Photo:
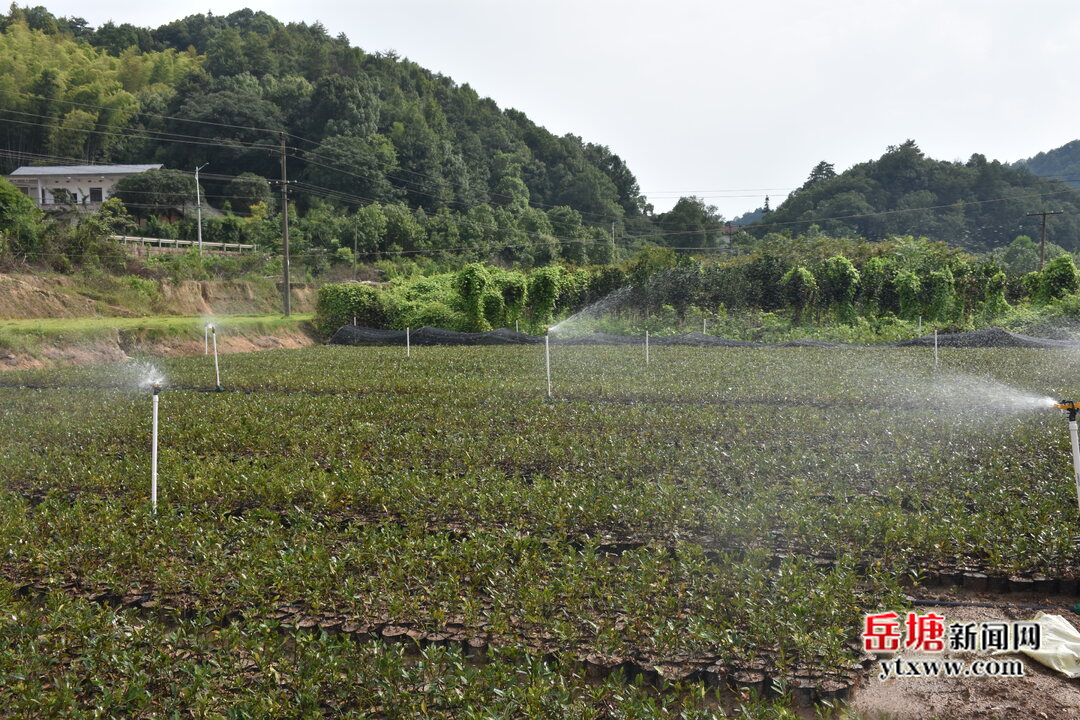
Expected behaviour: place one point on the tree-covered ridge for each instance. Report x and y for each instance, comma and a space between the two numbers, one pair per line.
1061, 163
372, 127
978, 205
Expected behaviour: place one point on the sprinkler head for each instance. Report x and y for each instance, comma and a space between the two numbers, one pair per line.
1072, 407
156, 386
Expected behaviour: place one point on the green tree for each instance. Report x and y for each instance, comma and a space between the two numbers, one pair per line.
1021, 256
471, 284
800, 290
21, 223
355, 166
995, 304
544, 286
247, 190
692, 223
343, 106
1058, 279
839, 281
514, 288
876, 284
156, 192
939, 290
909, 292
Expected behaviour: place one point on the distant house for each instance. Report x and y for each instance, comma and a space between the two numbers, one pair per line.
64, 185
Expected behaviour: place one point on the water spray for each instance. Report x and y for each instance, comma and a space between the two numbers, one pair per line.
547, 359
217, 369
1071, 408
156, 387
206, 339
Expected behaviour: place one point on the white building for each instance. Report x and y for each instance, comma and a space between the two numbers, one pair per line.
52, 186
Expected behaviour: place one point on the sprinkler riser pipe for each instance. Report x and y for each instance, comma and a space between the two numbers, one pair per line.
646, 347
547, 363
935, 349
1074, 438
408, 343
153, 456
217, 369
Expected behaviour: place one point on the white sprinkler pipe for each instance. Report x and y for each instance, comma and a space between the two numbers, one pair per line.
153, 452
547, 361
646, 347
217, 370
1073, 436
408, 343
935, 349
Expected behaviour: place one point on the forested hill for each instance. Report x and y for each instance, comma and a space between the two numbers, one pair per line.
363, 127
977, 205
1061, 163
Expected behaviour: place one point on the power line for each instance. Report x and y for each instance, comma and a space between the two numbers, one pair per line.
275, 132
646, 236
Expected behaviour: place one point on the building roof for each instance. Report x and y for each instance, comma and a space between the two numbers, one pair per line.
55, 170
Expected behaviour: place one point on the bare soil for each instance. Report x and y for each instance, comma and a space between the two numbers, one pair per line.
1041, 694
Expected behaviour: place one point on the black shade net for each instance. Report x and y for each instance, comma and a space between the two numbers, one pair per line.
989, 338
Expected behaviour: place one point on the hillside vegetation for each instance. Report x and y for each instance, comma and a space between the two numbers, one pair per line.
978, 205
433, 165
1061, 163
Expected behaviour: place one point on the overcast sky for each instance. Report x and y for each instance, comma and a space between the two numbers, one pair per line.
729, 100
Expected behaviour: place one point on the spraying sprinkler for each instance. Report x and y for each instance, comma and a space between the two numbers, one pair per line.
156, 387
217, 369
547, 359
1071, 408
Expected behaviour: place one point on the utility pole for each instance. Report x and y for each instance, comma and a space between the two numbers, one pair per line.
286, 292
1042, 243
198, 205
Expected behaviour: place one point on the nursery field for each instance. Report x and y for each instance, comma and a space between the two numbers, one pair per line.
350, 532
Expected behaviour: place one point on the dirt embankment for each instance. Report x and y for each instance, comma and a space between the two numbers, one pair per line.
46, 297
116, 349
29, 296
25, 297
234, 297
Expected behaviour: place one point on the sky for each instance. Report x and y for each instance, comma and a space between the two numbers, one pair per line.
728, 101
